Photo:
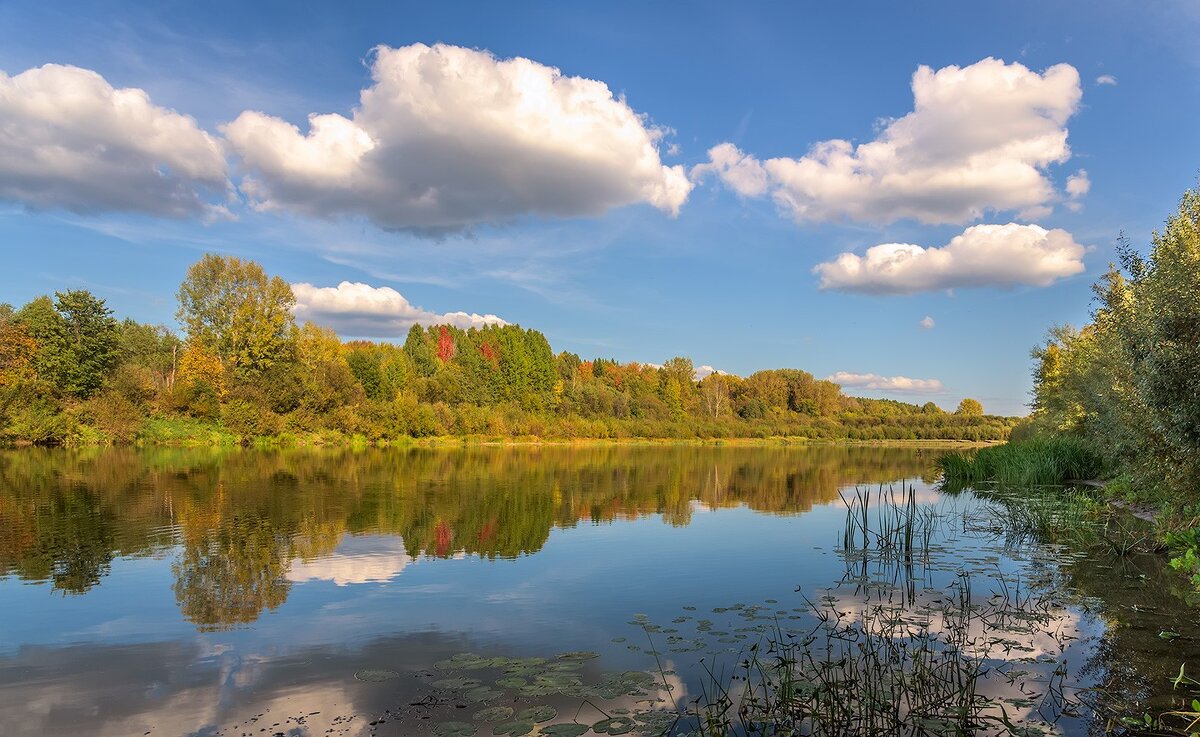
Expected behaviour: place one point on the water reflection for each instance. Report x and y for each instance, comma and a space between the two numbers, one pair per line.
227, 592
248, 524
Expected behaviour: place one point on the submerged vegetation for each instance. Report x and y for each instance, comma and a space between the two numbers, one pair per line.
71, 374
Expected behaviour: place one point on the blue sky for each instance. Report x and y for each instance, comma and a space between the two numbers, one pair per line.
592, 222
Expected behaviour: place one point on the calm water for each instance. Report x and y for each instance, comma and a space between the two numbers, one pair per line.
173, 592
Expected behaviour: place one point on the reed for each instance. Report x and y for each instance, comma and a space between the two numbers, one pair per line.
1038, 462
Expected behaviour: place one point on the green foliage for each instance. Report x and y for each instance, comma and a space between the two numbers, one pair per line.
233, 308
88, 350
1127, 382
76, 341
1185, 558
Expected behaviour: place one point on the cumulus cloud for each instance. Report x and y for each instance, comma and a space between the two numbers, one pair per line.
357, 559
979, 139
704, 371
849, 380
981, 256
361, 310
927, 323
69, 139
1078, 185
446, 137
1106, 79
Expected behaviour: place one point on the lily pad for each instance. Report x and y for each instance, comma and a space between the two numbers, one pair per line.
376, 676
456, 684
466, 661
493, 714
579, 655
537, 714
615, 725
513, 729
566, 729
482, 693
511, 682
454, 729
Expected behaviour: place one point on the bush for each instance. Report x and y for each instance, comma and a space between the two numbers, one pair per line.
244, 418
115, 415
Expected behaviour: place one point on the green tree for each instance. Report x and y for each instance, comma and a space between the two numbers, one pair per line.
88, 349
231, 307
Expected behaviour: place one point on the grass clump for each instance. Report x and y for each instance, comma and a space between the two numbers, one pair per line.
1037, 462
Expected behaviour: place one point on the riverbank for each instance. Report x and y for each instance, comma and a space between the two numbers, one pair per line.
1067, 461
193, 433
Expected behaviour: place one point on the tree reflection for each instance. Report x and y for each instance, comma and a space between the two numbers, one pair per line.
228, 573
236, 519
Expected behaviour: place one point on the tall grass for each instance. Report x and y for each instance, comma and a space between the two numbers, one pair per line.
1037, 462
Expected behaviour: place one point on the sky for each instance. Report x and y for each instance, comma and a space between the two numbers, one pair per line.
901, 197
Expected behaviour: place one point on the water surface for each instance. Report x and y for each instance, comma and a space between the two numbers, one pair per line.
239, 592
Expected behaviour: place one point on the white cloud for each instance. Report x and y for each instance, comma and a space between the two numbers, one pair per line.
1078, 184
447, 137
361, 310
69, 140
1106, 79
706, 370
927, 323
885, 383
357, 559
979, 139
982, 256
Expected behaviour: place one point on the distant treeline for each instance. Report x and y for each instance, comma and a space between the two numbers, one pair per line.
70, 373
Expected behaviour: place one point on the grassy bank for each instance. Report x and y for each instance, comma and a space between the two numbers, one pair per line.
1039, 462
188, 432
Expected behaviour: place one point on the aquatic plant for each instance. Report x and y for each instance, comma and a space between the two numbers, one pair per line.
884, 653
1037, 462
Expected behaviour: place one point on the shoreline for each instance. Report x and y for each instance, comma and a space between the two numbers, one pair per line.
484, 441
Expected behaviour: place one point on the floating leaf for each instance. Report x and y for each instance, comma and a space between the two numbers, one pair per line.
615, 725
567, 729
454, 729
466, 661
537, 714
456, 684
513, 729
493, 714
375, 676
580, 655
511, 682
482, 693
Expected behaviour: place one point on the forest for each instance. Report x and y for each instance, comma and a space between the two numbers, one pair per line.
243, 371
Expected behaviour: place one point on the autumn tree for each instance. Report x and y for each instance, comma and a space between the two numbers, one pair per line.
17, 350
969, 408
233, 309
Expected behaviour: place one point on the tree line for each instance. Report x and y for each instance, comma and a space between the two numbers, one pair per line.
71, 373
